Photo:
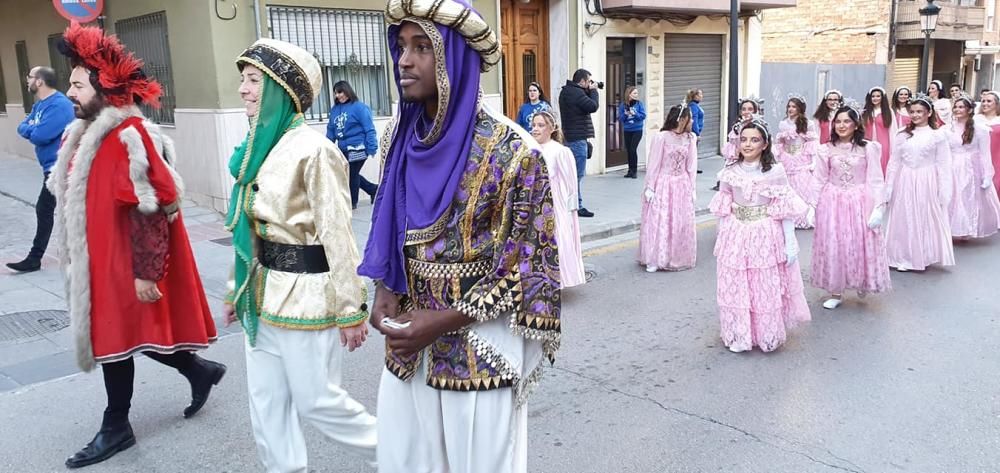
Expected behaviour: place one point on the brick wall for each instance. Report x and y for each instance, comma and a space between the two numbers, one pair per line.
827, 32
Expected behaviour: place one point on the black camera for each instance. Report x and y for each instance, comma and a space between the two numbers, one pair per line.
600, 85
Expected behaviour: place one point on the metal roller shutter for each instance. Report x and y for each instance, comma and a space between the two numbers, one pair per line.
694, 61
905, 71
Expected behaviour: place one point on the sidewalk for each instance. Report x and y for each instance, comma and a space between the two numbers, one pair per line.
35, 344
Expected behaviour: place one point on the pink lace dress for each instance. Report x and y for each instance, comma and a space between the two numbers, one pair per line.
667, 234
759, 294
731, 150
918, 183
797, 151
846, 254
974, 212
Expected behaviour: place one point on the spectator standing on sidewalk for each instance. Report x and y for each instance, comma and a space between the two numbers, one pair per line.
694, 97
535, 101
632, 115
577, 101
43, 127
352, 128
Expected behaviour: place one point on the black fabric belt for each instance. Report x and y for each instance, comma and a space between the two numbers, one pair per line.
293, 258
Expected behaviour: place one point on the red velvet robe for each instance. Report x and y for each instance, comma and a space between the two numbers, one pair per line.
106, 171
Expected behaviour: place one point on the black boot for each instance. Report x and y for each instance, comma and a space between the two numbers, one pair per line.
202, 375
26, 265
114, 437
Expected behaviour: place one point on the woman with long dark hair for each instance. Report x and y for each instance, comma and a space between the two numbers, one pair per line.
667, 234
759, 289
848, 249
352, 128
534, 102
900, 101
797, 145
748, 107
940, 102
918, 188
632, 116
832, 100
975, 209
878, 122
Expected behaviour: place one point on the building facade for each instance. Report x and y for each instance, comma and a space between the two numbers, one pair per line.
855, 45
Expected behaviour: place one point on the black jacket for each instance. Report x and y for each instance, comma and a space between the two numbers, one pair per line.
575, 107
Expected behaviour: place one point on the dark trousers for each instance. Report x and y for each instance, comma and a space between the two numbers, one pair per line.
358, 181
120, 376
632, 139
45, 208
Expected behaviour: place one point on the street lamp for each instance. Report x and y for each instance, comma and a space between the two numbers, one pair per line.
928, 22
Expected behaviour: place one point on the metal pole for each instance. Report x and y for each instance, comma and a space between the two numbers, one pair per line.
256, 18
734, 61
924, 73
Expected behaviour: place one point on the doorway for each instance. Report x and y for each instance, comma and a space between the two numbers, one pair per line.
620, 74
524, 36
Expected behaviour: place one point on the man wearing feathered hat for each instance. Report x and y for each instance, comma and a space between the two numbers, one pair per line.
294, 288
463, 253
132, 283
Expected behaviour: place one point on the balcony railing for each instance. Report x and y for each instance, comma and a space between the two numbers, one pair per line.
686, 7
959, 20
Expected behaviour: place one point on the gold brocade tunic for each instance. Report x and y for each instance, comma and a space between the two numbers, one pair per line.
302, 199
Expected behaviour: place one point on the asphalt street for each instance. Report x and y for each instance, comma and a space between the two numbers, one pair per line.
905, 381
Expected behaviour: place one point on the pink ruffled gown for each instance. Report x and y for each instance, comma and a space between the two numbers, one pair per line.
731, 150
797, 151
667, 234
974, 212
918, 182
759, 295
562, 177
994, 125
875, 130
846, 253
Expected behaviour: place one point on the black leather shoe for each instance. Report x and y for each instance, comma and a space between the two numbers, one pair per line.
205, 375
584, 213
26, 265
107, 442
372, 195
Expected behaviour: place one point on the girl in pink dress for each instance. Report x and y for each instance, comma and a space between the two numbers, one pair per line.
797, 145
848, 250
918, 187
667, 235
562, 175
989, 111
975, 209
759, 289
748, 108
900, 114
832, 100
878, 122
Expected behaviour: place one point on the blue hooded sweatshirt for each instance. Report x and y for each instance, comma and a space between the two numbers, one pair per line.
636, 121
351, 126
528, 110
44, 127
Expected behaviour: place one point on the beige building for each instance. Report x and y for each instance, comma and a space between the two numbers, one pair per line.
662, 46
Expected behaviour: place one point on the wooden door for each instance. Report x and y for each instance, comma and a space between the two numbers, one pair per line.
620, 74
524, 39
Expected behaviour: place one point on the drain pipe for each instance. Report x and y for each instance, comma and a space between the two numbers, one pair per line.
256, 17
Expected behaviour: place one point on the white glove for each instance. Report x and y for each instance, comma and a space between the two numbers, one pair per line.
648, 195
694, 196
875, 219
791, 244
986, 184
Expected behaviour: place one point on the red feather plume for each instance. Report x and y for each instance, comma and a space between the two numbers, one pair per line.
118, 70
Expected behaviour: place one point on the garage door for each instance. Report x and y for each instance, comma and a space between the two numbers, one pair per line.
694, 61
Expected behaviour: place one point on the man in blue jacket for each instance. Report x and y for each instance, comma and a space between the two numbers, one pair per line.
43, 127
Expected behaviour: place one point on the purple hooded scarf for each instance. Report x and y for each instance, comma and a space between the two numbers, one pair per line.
427, 157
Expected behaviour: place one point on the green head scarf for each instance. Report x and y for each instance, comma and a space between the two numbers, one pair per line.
276, 114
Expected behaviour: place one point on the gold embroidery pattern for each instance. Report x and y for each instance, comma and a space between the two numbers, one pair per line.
749, 213
441, 75
424, 235
499, 132
448, 271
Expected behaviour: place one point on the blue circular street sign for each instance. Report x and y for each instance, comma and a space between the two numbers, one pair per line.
82, 11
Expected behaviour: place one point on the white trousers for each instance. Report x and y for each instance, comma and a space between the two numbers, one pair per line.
425, 430
293, 374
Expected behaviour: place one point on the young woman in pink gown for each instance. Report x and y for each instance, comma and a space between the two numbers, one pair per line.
759, 288
941, 103
989, 111
832, 100
748, 108
667, 234
975, 209
848, 248
562, 176
797, 143
879, 124
918, 187
900, 114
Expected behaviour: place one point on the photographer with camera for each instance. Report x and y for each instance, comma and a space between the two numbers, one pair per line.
577, 100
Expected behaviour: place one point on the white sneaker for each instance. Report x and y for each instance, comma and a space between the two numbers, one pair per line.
651, 268
902, 269
736, 349
832, 303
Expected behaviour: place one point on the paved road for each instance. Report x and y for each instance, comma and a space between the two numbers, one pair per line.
902, 382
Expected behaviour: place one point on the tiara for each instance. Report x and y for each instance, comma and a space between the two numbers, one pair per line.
967, 98
922, 97
854, 105
798, 96
834, 91
754, 99
901, 88
756, 120
878, 88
